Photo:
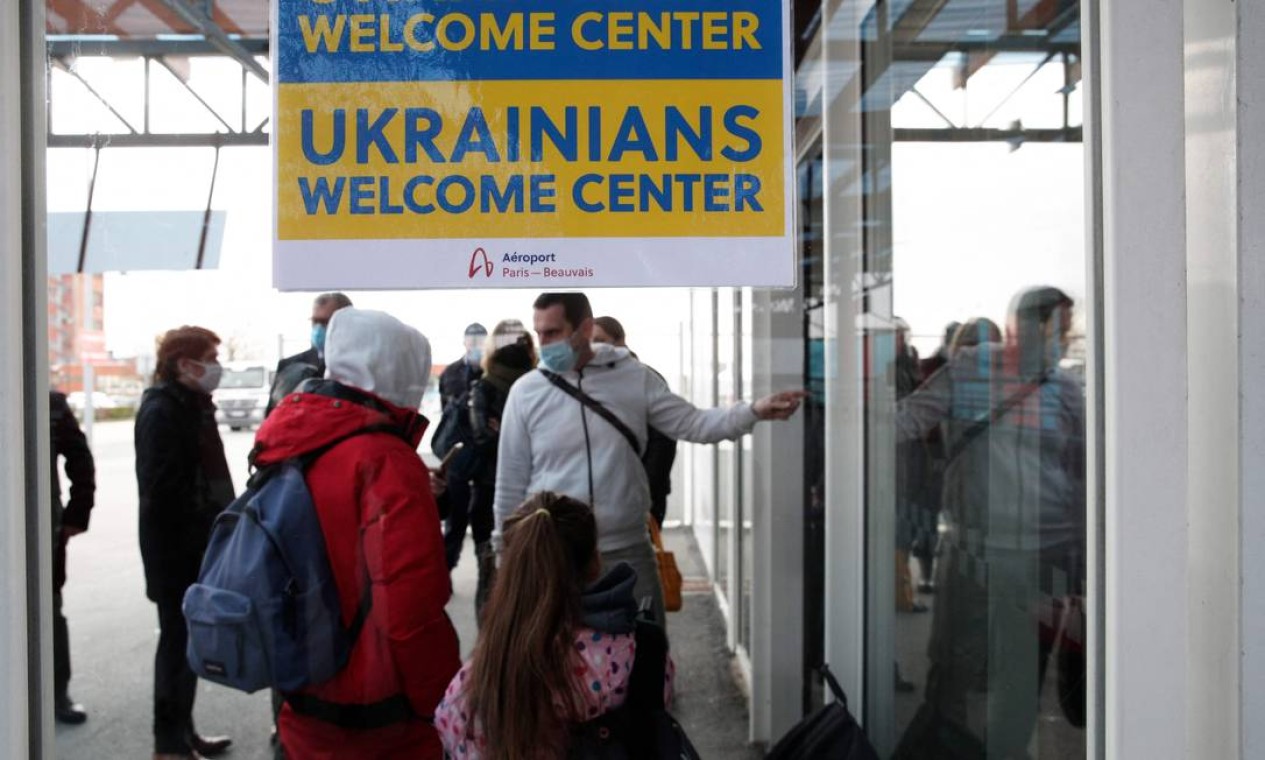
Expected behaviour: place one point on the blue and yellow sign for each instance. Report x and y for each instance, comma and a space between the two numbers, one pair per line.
449, 143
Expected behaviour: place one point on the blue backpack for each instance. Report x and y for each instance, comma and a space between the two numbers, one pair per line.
265, 611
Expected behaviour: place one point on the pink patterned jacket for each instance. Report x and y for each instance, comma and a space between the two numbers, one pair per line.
604, 662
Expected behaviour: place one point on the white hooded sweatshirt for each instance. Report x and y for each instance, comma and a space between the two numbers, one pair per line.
375, 352
543, 443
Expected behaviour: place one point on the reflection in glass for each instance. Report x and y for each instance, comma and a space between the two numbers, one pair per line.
969, 298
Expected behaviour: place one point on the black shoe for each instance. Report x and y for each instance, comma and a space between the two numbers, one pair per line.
69, 712
210, 746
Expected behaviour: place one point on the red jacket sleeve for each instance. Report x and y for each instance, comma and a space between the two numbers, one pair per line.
404, 551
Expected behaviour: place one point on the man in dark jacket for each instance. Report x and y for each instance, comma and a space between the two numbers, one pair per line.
293, 370
457, 377
68, 442
454, 382
184, 482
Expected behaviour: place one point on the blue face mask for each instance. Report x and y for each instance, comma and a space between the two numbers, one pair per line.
318, 338
558, 356
474, 356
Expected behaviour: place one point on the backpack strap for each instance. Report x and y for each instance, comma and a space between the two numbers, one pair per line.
596, 406
645, 683
386, 712
307, 460
833, 683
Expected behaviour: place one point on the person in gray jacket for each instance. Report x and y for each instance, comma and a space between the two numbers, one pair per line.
551, 441
1013, 424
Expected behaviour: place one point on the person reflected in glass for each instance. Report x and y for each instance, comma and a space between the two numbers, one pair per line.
1013, 424
925, 547
911, 471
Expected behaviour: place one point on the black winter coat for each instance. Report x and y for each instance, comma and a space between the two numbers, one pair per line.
68, 441
487, 403
291, 372
455, 380
183, 480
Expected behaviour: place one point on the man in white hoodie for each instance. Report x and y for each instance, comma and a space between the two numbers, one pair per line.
551, 441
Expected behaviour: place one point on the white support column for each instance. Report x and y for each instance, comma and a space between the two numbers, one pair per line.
845, 479
777, 591
1212, 257
14, 728
1250, 64
1139, 68
26, 726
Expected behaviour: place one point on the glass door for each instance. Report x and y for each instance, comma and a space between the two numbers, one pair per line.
970, 303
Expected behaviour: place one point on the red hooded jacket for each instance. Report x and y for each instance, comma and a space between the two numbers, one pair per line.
372, 494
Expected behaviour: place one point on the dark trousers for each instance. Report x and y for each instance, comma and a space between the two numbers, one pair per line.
458, 520
61, 632
992, 634
175, 684
482, 522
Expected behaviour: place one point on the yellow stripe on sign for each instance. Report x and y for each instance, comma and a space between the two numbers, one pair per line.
680, 158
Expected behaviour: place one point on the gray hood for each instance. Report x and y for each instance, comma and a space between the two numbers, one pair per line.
605, 355
608, 604
375, 352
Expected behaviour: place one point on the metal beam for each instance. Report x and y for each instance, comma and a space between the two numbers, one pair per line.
202, 101
932, 52
218, 37
152, 140
981, 134
60, 46
93, 92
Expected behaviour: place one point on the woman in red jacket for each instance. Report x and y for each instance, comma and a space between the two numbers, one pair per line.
381, 527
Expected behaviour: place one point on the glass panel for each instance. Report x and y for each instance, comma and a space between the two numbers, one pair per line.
746, 500
703, 458
972, 304
726, 451
812, 272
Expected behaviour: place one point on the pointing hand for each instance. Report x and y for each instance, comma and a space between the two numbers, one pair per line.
778, 406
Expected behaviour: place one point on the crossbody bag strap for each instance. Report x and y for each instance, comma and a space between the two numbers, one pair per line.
596, 406
1001, 410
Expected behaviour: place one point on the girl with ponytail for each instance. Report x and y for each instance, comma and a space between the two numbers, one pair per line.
556, 645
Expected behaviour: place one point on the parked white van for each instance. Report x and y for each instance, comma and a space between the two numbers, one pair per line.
242, 396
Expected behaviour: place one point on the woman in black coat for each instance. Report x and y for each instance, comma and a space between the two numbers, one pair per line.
183, 481
509, 356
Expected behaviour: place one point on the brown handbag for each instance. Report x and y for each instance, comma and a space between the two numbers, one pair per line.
669, 573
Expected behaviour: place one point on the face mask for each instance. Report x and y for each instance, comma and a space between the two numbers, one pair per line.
318, 338
558, 356
474, 355
211, 373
